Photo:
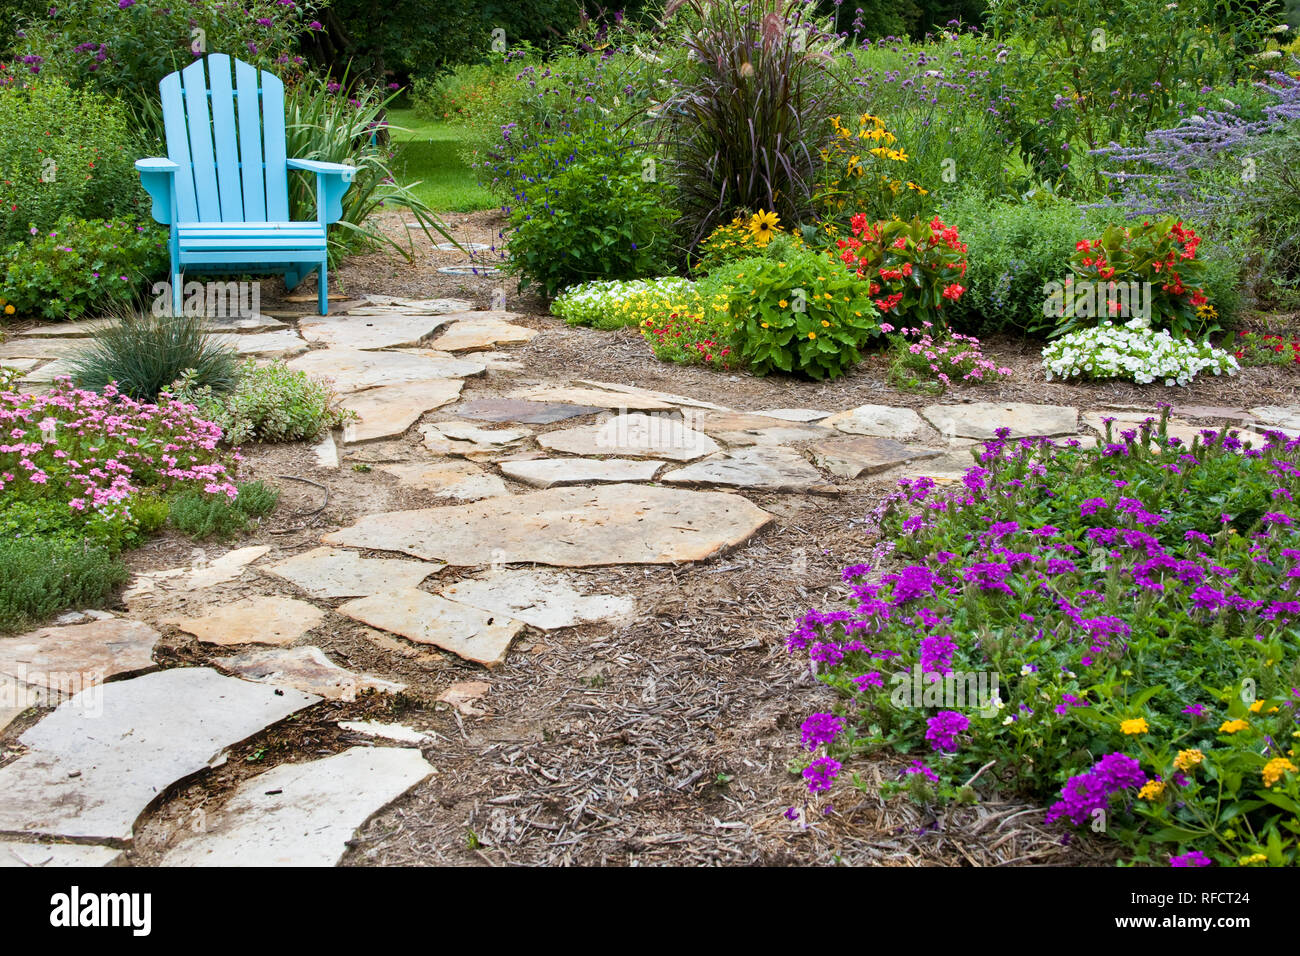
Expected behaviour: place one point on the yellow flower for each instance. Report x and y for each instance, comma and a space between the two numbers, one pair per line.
766, 326
1187, 759
783, 303
825, 324
1232, 726
812, 335
1275, 768
9, 310
762, 226
1152, 789
1258, 705
1137, 725
1252, 859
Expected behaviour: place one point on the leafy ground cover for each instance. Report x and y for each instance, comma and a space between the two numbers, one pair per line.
1112, 630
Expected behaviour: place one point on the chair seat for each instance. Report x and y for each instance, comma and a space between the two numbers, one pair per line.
249, 236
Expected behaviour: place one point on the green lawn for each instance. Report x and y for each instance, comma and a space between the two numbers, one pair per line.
429, 153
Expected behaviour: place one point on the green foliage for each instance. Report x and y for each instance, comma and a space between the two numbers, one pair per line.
40, 576
1076, 83
127, 50
804, 315
204, 516
144, 354
1149, 627
1015, 249
1160, 253
463, 92
65, 152
82, 267
269, 403
588, 212
913, 269
744, 132
335, 122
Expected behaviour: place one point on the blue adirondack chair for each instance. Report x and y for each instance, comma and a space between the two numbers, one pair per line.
224, 188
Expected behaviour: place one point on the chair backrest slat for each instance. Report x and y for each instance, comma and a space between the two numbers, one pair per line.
229, 140
178, 145
203, 162
225, 138
277, 172
250, 142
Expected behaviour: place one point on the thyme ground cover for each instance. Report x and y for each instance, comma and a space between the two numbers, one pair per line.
1113, 631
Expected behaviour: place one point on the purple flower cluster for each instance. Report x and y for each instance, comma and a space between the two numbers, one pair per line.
1089, 792
942, 729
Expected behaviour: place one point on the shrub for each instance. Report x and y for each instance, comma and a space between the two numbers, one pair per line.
1015, 250
614, 304
83, 266
66, 152
912, 268
745, 130
92, 467
804, 316
143, 354
204, 516
1155, 261
587, 211
1133, 351
1256, 349
931, 362
39, 577
269, 403
694, 328
127, 47
743, 238
861, 171
1133, 607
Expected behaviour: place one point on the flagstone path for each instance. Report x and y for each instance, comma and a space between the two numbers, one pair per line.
529, 483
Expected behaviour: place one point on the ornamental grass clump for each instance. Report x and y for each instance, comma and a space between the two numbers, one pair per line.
1113, 631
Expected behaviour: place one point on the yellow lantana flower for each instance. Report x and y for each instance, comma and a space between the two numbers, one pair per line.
1275, 768
1188, 759
1152, 789
1232, 726
1138, 725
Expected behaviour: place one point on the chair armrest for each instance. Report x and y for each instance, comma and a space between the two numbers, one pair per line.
158, 177
332, 181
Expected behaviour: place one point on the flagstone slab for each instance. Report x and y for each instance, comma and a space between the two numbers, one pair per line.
741, 429
553, 472
803, 415
1286, 417
353, 370
100, 758
44, 349
77, 329
390, 410
483, 331
982, 419
519, 411
337, 573
591, 397
227, 567
284, 343
471, 441
326, 452
566, 527
20, 364
634, 433
301, 814
461, 480
49, 372
54, 855
71, 658
305, 669
881, 421
268, 619
860, 455
9, 712
652, 394
412, 306
1214, 411
760, 468
398, 733
354, 330
479, 636
542, 599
